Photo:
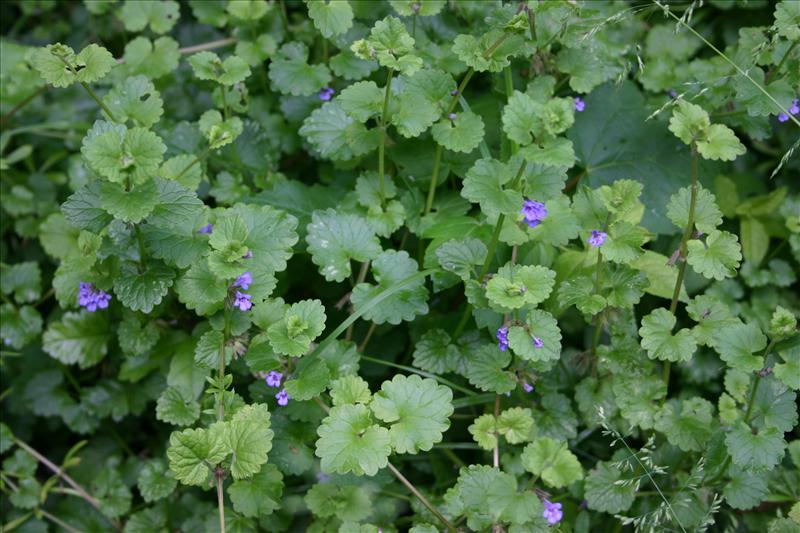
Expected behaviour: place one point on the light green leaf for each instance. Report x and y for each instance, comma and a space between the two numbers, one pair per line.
552, 460
483, 184
434, 352
80, 338
660, 343
349, 390
336, 135
350, 442
624, 242
737, 344
485, 369
160, 15
514, 286
463, 134
362, 100
248, 9
603, 492
141, 291
515, 424
250, 439
762, 449
177, 407
688, 425
461, 256
335, 238
418, 410
483, 54
303, 322
290, 72
200, 290
153, 59
208, 66
484, 430
259, 496
310, 382
391, 45
388, 269
120, 154
538, 325
720, 143
135, 99
332, 17
128, 205
193, 453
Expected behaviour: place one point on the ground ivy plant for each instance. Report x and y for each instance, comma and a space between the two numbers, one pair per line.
406, 265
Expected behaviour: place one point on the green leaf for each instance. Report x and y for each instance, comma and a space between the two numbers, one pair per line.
720, 143
434, 352
461, 256
711, 315
336, 135
362, 100
751, 449
200, 290
745, 489
538, 325
20, 326
83, 210
774, 406
515, 424
219, 132
27, 495
425, 8
332, 17
689, 122
208, 66
80, 338
6, 438
485, 369
171, 230
552, 460
248, 9
346, 502
59, 66
579, 291
135, 99
636, 396
788, 372
624, 242
24, 280
688, 425
155, 481
389, 268
787, 20
737, 344
717, 258
259, 496
350, 442
418, 410
349, 390
483, 184
484, 431
177, 407
141, 291
463, 134
660, 343
514, 286
755, 240
559, 227
120, 154
303, 322
484, 54
250, 439
335, 238
290, 72
128, 205
152, 59
310, 382
604, 494
526, 120
193, 453
161, 16
391, 45
556, 418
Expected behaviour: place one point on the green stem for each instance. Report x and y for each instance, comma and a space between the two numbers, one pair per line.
219, 473
196, 160
422, 373
99, 102
381, 146
460, 90
324, 50
509, 82
225, 111
422, 499
142, 255
783, 60
220, 502
462, 323
437, 160
368, 336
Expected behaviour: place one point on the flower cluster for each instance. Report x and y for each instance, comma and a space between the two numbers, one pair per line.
597, 238
502, 338
274, 379
326, 93
533, 212
794, 109
91, 298
552, 512
242, 299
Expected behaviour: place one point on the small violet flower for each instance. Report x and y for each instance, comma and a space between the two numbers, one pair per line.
244, 281
91, 298
552, 512
537, 342
672, 93
502, 338
534, 212
242, 301
206, 229
326, 93
527, 387
248, 255
452, 116
454, 92
580, 105
273, 379
597, 238
794, 109
283, 399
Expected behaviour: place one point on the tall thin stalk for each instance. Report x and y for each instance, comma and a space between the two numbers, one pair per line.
387, 91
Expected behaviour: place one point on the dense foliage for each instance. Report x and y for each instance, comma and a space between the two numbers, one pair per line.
413, 265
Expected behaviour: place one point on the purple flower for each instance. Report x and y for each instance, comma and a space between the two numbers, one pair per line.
244, 281
580, 105
206, 229
527, 387
452, 116
273, 379
552, 512
248, 255
325, 94
794, 109
242, 301
454, 92
673, 93
502, 338
537, 342
597, 238
783, 117
91, 298
534, 212
283, 397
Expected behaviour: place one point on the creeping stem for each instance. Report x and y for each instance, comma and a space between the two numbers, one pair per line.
687, 234
423, 500
219, 473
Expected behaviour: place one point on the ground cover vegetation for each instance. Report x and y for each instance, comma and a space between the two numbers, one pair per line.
414, 265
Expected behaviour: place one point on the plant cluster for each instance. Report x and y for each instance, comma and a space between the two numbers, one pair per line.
414, 265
